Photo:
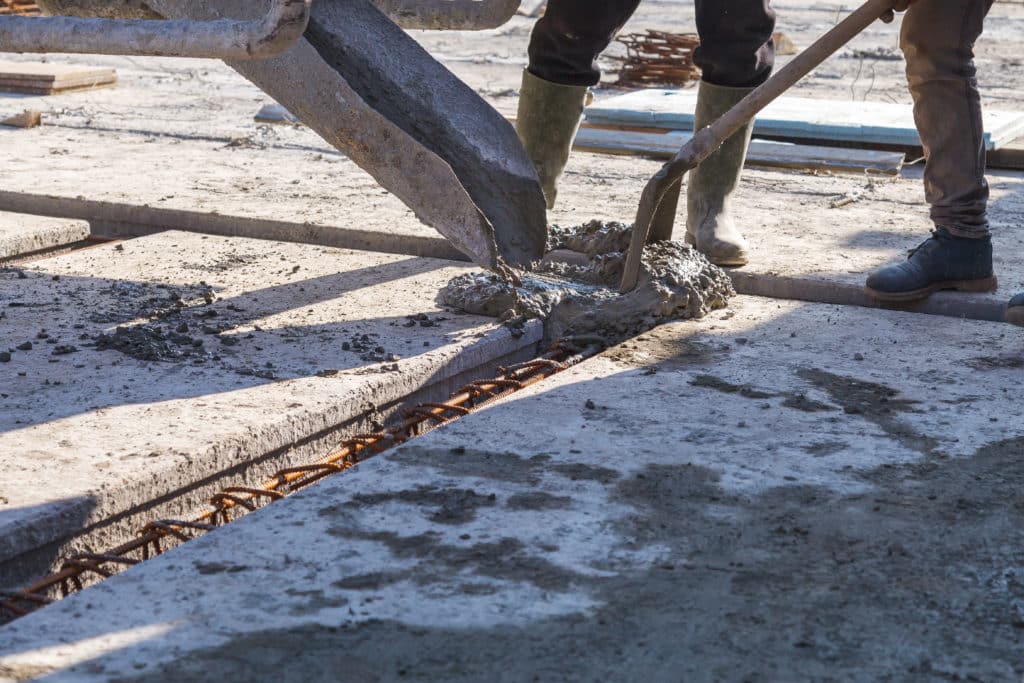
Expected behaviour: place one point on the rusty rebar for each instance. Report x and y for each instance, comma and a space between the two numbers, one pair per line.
234, 501
657, 58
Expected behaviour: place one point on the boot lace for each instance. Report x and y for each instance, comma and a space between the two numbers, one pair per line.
933, 239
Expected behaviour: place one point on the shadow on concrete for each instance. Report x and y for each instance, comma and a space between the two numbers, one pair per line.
918, 579
915, 571
57, 386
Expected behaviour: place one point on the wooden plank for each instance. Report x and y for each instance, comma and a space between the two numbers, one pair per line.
29, 118
49, 90
797, 118
60, 85
761, 153
35, 71
532, 8
1009, 156
25, 8
46, 79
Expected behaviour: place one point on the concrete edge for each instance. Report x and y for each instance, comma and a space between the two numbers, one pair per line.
115, 219
38, 238
185, 502
254, 446
987, 307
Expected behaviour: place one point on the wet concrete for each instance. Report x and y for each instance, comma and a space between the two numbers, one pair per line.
662, 512
134, 376
574, 290
24, 234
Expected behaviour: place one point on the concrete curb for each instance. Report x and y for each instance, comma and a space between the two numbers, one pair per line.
134, 435
22, 234
111, 219
987, 307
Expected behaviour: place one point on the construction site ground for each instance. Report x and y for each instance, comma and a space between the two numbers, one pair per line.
151, 369
785, 490
739, 498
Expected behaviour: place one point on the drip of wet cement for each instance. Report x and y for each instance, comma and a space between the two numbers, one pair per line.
574, 290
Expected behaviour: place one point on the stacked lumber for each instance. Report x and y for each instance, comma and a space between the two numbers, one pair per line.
798, 119
532, 8
23, 8
38, 78
664, 145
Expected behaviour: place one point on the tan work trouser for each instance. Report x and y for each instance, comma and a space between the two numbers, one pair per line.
938, 42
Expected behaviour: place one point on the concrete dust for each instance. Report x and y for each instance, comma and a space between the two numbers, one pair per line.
576, 293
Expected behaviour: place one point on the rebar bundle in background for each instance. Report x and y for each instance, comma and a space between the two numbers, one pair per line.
656, 58
25, 8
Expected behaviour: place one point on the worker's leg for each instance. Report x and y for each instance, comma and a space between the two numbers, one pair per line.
1015, 310
563, 50
568, 39
736, 54
938, 41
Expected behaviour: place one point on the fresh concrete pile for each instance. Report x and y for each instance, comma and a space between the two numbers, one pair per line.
574, 290
768, 493
135, 377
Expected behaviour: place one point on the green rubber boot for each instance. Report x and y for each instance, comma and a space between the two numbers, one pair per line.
709, 222
549, 116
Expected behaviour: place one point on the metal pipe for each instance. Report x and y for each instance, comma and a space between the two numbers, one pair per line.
277, 31
451, 15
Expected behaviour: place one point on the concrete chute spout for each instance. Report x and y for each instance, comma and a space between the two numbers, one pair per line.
399, 114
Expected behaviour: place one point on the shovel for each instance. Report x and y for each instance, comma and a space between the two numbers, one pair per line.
705, 142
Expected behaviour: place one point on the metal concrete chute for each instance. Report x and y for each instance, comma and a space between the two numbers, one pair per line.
266, 36
451, 15
365, 86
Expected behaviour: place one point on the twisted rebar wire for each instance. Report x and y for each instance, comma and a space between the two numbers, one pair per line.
234, 501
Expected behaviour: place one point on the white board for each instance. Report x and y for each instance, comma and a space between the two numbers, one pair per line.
761, 152
796, 118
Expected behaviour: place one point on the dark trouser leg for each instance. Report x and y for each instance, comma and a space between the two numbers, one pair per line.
567, 40
736, 48
938, 41
564, 48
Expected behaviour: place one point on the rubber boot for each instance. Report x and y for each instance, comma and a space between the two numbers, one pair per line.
941, 262
709, 222
549, 116
1015, 310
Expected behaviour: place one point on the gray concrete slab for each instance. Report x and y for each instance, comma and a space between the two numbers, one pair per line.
781, 491
134, 375
24, 234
